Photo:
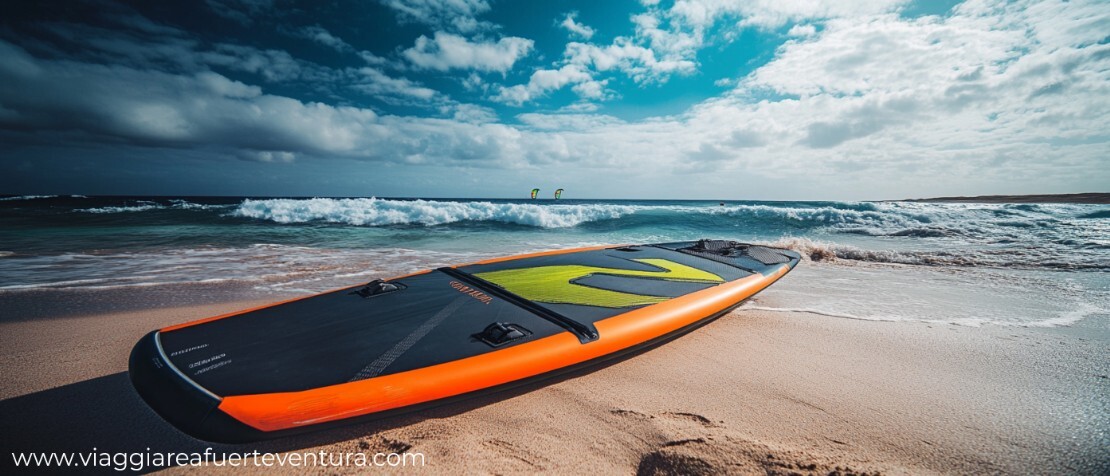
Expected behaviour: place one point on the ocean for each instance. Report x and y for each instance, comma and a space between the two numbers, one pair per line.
1031, 265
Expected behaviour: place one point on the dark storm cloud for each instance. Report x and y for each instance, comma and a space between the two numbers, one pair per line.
206, 109
127, 79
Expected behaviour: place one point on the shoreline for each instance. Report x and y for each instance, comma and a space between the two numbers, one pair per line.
754, 391
1078, 198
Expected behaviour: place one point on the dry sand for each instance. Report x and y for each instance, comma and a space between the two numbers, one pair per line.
753, 392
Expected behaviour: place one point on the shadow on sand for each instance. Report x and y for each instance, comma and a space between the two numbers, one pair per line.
105, 414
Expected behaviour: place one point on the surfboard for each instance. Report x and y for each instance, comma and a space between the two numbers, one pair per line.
406, 343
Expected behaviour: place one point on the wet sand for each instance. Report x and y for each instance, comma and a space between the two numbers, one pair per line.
754, 392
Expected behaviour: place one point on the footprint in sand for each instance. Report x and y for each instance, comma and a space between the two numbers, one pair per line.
694, 444
691, 417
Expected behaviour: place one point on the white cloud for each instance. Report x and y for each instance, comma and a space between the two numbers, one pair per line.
577, 29
937, 97
376, 83
268, 156
1005, 95
637, 62
469, 113
324, 37
372, 59
221, 86
272, 65
724, 82
456, 15
474, 82
700, 14
802, 30
546, 80
591, 90
886, 53
676, 34
583, 64
667, 40
655, 30
579, 107
448, 51
568, 122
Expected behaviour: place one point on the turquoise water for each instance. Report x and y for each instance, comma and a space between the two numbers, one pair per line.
966, 264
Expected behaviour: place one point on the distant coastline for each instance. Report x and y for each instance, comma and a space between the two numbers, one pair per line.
1096, 198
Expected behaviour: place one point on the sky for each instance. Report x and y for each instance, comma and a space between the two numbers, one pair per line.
698, 99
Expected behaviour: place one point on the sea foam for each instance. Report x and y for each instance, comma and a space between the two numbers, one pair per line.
382, 212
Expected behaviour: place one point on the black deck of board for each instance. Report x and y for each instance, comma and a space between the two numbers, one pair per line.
327, 339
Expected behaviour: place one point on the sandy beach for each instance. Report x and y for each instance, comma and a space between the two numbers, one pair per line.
753, 392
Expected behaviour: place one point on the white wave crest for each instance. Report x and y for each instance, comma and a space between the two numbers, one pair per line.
144, 206
26, 197
830, 252
380, 212
185, 205
123, 209
843, 216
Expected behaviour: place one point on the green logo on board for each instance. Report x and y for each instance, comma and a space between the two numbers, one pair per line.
555, 284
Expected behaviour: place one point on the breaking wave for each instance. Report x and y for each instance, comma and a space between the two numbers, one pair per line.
984, 223
381, 212
1029, 257
1050, 236
26, 197
143, 206
965, 235
185, 205
123, 209
861, 215
1098, 214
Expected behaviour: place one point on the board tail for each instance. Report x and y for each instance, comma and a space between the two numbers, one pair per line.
179, 400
